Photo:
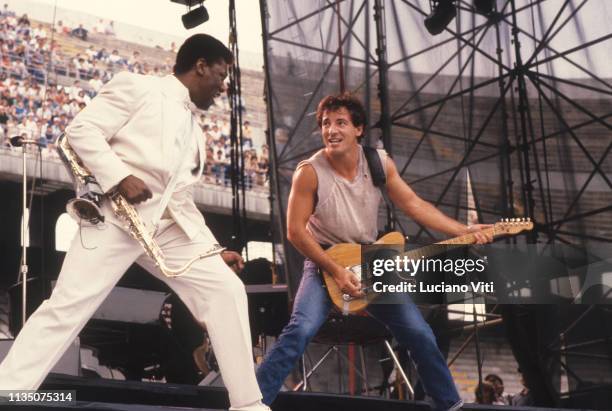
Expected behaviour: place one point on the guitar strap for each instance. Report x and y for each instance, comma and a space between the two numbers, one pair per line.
375, 165
377, 171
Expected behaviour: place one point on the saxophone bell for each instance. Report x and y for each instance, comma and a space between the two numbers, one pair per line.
86, 206
85, 209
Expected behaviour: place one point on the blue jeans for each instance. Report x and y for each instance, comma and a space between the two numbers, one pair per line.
310, 309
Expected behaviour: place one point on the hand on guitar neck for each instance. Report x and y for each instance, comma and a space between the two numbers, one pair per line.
481, 233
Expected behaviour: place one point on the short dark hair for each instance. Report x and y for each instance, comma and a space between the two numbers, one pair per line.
201, 46
494, 378
343, 100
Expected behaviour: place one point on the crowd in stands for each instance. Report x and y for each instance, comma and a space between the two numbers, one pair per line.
42, 89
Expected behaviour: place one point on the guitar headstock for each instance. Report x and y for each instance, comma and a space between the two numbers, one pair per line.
512, 226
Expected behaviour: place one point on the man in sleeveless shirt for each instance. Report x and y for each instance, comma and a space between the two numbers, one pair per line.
332, 201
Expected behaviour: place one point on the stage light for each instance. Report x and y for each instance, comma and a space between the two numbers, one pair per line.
193, 17
442, 13
484, 6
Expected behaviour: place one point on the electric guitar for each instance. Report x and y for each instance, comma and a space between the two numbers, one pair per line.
349, 256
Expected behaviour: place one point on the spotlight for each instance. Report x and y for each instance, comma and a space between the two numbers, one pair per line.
442, 13
484, 6
193, 17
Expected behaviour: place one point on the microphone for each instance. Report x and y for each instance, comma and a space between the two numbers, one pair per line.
18, 141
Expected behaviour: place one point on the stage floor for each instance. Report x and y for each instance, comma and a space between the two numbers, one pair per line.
114, 395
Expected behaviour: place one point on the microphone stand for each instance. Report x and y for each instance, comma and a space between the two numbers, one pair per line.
23, 268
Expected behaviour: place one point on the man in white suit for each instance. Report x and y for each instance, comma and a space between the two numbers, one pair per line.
137, 134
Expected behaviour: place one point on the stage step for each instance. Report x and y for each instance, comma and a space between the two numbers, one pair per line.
100, 406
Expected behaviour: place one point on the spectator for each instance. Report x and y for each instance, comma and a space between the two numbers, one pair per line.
82, 97
109, 29
95, 83
115, 58
215, 132
62, 28
247, 136
4, 114
498, 385
134, 60
484, 393
225, 129
91, 52
40, 32
220, 165
209, 164
45, 110
26, 108
250, 168
99, 27
262, 168
80, 33
24, 20
73, 91
19, 111
6, 12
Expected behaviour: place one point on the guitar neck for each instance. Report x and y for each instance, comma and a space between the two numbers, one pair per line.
451, 243
467, 238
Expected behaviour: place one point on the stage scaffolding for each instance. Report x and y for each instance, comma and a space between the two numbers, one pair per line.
501, 116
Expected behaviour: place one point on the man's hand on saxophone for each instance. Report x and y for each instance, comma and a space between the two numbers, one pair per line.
134, 190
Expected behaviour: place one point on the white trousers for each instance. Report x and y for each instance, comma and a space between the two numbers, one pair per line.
95, 262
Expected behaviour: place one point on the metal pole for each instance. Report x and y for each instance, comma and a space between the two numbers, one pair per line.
383, 91
523, 106
399, 368
314, 368
273, 169
24, 248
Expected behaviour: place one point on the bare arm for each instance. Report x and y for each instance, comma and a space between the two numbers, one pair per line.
300, 208
424, 212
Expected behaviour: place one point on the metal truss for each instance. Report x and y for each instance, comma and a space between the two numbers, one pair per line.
531, 132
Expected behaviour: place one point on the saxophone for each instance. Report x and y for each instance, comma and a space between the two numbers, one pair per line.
86, 208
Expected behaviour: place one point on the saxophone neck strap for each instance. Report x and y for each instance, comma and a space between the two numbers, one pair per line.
163, 203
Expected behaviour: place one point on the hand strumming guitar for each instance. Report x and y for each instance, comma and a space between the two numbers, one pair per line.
347, 282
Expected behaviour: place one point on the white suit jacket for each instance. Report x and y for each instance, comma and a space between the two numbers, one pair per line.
131, 127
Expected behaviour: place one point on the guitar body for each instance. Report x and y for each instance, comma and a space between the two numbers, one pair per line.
349, 255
